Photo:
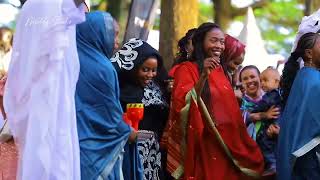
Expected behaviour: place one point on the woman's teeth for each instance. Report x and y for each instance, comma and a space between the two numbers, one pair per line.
216, 53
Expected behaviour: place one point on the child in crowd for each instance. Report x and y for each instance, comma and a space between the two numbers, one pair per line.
268, 128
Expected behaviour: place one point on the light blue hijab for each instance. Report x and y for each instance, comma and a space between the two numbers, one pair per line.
101, 129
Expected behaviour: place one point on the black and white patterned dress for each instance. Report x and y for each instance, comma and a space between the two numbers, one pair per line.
126, 62
155, 117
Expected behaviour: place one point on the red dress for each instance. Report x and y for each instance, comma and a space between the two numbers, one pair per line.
202, 156
8, 160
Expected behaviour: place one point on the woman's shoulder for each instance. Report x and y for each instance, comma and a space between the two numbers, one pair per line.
309, 76
186, 66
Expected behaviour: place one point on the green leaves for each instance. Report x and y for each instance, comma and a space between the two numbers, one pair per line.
279, 22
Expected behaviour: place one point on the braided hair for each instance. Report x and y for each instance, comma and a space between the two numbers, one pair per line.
182, 55
292, 66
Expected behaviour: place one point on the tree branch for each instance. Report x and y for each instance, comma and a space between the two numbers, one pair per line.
243, 11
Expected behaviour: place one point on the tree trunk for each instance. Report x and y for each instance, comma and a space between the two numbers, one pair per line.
315, 5
307, 7
310, 6
177, 17
223, 13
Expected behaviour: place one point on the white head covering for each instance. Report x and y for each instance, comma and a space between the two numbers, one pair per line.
88, 4
308, 24
85, 6
39, 94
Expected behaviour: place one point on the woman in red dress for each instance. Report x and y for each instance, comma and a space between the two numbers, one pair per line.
205, 136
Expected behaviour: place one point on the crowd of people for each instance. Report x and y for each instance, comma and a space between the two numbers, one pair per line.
66, 87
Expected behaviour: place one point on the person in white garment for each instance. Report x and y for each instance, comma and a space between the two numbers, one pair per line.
40, 89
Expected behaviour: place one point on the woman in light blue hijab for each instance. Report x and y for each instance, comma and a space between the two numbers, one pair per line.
103, 134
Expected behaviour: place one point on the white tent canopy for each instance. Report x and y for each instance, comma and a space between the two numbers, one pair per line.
256, 53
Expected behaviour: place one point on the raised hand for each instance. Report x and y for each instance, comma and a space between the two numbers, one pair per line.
272, 113
210, 64
273, 130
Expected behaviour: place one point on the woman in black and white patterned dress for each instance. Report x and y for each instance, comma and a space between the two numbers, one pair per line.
142, 80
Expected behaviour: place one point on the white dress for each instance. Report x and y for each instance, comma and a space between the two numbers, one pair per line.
40, 89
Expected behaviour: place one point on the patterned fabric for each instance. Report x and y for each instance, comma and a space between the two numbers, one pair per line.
126, 61
247, 106
150, 155
127, 55
153, 95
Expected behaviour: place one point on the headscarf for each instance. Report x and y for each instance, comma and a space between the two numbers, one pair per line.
88, 4
308, 24
40, 89
127, 61
102, 131
233, 48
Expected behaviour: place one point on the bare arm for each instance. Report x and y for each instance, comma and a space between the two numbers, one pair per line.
272, 113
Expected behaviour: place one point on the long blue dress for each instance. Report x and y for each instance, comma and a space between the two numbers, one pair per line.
103, 134
299, 139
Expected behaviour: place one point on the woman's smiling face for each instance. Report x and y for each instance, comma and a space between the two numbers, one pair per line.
147, 71
251, 82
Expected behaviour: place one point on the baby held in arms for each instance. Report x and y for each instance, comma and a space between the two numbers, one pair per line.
268, 128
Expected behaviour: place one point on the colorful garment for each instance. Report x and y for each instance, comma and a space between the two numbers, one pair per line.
299, 139
194, 150
127, 61
247, 106
104, 151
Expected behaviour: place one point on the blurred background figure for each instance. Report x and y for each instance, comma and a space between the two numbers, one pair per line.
5, 49
8, 150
